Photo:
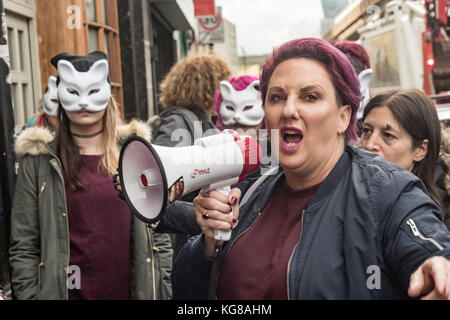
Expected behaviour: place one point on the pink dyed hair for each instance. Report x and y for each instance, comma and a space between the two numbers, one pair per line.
339, 68
239, 83
355, 50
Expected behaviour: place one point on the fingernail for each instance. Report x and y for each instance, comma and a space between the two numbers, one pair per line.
231, 209
234, 220
231, 228
233, 201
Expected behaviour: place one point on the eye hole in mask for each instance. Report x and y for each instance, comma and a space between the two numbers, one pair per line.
94, 91
72, 91
248, 108
55, 101
230, 108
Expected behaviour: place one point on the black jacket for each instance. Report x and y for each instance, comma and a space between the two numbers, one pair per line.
369, 226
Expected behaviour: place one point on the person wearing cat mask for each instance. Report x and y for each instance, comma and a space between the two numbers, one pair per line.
47, 117
238, 105
71, 236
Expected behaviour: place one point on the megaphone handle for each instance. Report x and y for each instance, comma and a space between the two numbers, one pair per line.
220, 234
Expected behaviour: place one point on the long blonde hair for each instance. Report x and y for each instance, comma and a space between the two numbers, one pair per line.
111, 123
69, 151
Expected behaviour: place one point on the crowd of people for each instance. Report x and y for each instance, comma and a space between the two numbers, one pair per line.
361, 185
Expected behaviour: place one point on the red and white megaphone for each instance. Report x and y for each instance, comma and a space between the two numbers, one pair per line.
152, 176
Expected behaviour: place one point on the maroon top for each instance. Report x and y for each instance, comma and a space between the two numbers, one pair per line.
257, 263
100, 235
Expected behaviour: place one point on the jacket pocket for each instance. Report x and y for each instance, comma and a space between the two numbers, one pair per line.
428, 242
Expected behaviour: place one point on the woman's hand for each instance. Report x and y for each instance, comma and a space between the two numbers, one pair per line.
117, 186
212, 212
431, 279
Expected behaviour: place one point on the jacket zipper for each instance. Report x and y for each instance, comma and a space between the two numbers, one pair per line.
417, 233
292, 253
153, 262
67, 226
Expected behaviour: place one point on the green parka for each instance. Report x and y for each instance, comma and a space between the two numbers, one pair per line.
39, 247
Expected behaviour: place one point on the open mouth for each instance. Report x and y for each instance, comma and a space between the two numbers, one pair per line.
291, 136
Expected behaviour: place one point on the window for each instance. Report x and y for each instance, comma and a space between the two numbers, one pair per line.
24, 65
102, 34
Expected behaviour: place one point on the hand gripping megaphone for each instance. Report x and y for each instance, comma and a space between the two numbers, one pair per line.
152, 176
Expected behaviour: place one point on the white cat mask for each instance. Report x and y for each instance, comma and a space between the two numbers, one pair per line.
88, 90
364, 80
242, 107
50, 101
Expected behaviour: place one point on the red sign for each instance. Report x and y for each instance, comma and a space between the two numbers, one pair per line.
204, 8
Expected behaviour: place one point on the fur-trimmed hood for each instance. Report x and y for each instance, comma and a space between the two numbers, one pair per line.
139, 128
33, 140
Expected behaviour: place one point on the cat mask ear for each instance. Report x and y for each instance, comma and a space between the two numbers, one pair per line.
364, 81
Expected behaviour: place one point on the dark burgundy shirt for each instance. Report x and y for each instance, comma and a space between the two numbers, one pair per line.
100, 235
256, 265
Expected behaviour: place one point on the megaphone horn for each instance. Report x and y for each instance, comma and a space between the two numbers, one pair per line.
143, 182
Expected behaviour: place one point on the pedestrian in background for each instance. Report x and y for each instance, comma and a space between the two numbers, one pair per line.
403, 127
47, 117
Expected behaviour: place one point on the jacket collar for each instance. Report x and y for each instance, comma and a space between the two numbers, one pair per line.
335, 177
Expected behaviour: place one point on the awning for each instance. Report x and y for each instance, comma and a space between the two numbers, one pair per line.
176, 13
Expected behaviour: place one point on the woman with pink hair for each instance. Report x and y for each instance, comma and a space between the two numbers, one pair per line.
332, 221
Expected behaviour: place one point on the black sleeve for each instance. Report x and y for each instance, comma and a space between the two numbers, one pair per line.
179, 218
412, 230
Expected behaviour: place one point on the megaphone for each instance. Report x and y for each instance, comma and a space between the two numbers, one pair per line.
152, 176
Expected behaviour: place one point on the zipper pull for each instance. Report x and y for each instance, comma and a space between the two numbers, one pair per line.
413, 227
